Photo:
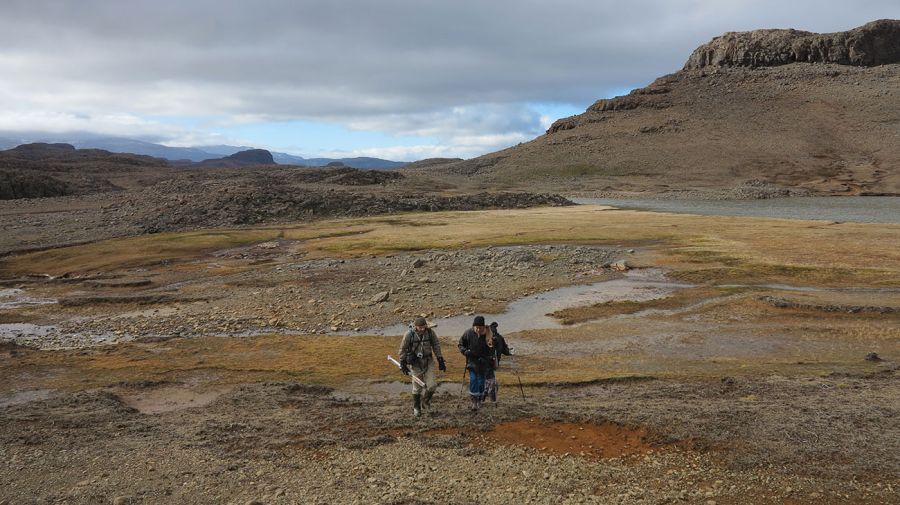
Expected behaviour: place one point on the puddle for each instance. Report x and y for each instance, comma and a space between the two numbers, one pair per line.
607, 440
20, 397
171, 398
16, 298
25, 330
365, 391
399, 387
50, 337
530, 313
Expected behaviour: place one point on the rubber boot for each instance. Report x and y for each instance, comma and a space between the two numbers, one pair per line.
417, 405
474, 404
426, 401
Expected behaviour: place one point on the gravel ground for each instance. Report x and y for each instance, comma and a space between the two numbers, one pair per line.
291, 295
291, 443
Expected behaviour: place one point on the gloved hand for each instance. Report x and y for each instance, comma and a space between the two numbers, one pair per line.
467, 353
404, 367
442, 366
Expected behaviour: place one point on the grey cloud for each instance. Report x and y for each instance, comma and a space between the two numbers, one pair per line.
362, 60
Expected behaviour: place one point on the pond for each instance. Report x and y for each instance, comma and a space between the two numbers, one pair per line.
866, 209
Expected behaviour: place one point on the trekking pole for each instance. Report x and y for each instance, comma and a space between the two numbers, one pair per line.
515, 370
462, 383
521, 388
414, 378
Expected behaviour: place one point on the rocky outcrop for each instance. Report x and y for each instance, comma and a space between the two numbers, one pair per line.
347, 176
253, 156
875, 43
14, 185
652, 96
250, 157
260, 204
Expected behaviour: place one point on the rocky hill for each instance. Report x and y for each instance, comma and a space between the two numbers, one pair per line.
754, 114
250, 157
43, 170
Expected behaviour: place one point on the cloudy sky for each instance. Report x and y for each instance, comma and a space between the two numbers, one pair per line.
396, 79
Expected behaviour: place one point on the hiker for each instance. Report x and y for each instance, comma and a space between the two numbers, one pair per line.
477, 345
419, 343
499, 349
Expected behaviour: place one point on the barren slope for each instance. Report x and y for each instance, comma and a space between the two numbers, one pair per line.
805, 121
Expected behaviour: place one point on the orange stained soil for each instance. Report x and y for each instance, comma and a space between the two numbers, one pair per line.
607, 440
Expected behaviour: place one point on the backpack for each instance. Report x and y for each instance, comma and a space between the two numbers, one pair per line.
420, 349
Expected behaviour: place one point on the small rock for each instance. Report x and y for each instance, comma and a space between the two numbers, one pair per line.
123, 500
381, 297
620, 266
873, 356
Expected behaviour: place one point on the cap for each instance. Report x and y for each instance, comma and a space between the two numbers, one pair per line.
479, 321
420, 321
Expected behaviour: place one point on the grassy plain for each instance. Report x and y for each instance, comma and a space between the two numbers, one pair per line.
697, 248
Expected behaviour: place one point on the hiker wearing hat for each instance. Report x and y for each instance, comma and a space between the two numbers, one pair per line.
499, 349
477, 345
419, 343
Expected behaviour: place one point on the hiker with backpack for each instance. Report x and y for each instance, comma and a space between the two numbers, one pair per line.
477, 345
416, 350
500, 348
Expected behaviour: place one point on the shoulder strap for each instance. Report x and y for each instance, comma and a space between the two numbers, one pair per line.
408, 338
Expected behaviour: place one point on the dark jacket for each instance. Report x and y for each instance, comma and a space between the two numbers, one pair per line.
479, 356
500, 348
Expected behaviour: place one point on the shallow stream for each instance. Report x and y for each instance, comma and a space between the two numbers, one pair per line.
530, 313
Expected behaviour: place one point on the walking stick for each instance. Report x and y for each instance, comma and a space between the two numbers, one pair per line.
414, 378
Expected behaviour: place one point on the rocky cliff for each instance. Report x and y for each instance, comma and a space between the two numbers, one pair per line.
876, 43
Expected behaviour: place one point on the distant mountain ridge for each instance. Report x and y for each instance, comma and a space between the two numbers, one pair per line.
194, 154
